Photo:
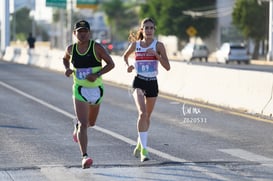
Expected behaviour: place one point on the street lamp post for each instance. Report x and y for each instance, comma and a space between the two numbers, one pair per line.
269, 53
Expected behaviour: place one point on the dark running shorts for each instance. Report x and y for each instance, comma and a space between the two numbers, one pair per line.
148, 85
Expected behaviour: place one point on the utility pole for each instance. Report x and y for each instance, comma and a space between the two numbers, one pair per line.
269, 56
70, 22
5, 30
270, 35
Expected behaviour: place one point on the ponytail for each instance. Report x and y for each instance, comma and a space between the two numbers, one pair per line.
139, 34
135, 36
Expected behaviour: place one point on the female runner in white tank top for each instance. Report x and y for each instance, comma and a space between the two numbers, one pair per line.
148, 54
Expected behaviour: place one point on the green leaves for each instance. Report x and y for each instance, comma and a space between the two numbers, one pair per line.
251, 18
171, 20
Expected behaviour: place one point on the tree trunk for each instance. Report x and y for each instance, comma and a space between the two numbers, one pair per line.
255, 54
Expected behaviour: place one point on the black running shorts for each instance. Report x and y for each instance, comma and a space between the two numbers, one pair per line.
148, 85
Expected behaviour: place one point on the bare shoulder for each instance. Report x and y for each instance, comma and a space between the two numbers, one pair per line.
159, 44
132, 45
99, 49
68, 49
98, 46
131, 48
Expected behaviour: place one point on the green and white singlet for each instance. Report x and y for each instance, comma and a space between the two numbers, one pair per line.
84, 64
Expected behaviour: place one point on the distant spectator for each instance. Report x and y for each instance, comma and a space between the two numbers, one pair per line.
31, 41
31, 44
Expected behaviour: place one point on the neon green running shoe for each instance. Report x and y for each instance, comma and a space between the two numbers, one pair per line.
144, 155
137, 150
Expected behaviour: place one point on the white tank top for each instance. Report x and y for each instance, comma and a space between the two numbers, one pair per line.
146, 64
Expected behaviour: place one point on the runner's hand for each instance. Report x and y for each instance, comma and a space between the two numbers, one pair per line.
91, 77
130, 68
68, 72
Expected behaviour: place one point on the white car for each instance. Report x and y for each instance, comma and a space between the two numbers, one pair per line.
194, 51
232, 52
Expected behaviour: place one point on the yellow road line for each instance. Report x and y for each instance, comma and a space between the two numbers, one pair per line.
219, 109
203, 105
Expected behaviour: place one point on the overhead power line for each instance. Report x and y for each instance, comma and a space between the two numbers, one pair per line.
214, 13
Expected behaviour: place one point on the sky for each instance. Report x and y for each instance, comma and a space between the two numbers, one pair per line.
41, 11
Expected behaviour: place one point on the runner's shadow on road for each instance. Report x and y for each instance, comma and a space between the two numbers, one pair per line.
16, 127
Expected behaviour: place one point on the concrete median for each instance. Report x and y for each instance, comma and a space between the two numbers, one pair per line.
248, 91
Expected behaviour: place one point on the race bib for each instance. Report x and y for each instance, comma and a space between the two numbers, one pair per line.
81, 73
146, 67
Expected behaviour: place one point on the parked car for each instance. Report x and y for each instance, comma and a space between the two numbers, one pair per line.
195, 51
232, 52
108, 46
119, 47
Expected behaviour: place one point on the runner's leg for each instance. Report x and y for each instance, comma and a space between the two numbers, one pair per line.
82, 112
93, 114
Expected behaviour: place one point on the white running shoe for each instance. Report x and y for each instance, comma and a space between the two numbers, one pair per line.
86, 162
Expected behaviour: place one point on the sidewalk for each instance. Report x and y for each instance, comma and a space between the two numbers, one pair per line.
118, 173
262, 62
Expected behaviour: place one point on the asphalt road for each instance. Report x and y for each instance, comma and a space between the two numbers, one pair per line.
187, 140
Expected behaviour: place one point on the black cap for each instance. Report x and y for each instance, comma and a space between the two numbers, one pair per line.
81, 24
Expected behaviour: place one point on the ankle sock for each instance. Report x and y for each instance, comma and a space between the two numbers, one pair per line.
85, 155
143, 139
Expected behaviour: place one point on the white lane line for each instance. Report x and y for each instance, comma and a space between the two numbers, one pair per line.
37, 100
116, 135
108, 132
249, 156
